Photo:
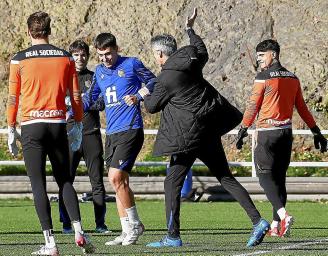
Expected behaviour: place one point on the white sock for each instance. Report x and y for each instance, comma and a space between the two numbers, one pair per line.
125, 224
77, 228
133, 214
49, 238
274, 224
282, 213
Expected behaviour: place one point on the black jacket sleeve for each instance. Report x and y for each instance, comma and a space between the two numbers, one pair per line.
196, 41
156, 101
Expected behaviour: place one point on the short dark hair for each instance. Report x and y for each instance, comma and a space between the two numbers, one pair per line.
38, 24
268, 45
165, 43
105, 40
79, 45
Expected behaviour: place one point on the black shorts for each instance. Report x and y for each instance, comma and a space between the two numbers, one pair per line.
122, 149
273, 150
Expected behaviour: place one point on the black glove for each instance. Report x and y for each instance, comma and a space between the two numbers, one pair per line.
320, 141
242, 133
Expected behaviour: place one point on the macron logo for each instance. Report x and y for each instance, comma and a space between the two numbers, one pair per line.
47, 113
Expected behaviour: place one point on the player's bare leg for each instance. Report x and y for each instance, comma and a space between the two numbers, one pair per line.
126, 205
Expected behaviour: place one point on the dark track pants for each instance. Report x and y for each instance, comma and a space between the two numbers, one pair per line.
213, 156
272, 157
92, 151
38, 141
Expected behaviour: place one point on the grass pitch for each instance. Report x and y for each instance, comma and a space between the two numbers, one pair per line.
207, 229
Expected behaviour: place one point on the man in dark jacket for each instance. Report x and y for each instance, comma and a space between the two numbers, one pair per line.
91, 148
189, 129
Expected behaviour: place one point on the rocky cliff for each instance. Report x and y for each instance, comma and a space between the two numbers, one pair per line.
230, 28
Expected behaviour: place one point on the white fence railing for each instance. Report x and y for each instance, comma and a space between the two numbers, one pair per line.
234, 164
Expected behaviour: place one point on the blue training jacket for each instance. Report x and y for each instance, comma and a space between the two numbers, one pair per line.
123, 78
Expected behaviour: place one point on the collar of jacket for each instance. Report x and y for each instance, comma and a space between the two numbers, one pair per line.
184, 59
275, 66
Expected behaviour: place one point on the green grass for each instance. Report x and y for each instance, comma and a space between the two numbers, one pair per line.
207, 229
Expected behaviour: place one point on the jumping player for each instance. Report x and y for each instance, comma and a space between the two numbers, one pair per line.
276, 92
91, 148
42, 74
118, 79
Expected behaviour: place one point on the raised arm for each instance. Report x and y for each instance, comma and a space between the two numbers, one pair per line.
196, 40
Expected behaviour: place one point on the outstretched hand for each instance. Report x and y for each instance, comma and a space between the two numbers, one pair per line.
190, 20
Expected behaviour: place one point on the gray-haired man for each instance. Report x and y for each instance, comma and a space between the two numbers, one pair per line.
191, 127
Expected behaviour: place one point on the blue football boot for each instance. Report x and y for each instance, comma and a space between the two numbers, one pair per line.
259, 231
167, 242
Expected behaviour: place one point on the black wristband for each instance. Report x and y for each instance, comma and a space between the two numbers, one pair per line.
190, 31
315, 130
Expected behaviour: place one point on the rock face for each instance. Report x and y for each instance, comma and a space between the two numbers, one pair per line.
229, 28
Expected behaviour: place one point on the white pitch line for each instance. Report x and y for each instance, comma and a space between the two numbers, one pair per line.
287, 247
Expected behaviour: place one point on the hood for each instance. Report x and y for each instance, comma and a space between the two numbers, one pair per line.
184, 59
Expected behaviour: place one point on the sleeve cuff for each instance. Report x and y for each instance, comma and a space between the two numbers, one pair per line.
190, 31
139, 97
315, 130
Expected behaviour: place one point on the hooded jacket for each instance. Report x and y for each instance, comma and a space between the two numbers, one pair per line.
190, 105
